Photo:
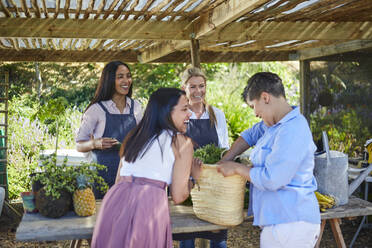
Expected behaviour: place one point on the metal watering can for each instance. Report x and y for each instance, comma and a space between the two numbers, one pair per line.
331, 173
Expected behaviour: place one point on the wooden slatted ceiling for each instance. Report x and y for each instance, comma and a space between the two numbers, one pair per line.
160, 30
324, 10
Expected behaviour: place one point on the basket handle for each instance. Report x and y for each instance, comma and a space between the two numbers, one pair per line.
223, 152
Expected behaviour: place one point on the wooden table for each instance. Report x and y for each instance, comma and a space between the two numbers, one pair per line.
355, 207
35, 227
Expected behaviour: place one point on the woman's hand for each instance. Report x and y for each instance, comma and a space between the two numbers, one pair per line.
104, 143
230, 168
196, 168
227, 168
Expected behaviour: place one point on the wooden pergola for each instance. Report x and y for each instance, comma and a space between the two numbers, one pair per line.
196, 31
165, 31
160, 31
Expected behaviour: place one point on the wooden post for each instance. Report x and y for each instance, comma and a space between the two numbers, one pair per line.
195, 56
320, 233
305, 88
337, 234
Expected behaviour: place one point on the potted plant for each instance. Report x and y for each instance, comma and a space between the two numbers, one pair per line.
59, 181
54, 199
52, 112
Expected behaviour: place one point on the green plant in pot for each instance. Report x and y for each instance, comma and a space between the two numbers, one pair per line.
60, 181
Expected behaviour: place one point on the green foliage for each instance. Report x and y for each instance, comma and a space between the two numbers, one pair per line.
149, 77
348, 118
53, 110
345, 131
75, 81
57, 178
78, 98
28, 136
209, 154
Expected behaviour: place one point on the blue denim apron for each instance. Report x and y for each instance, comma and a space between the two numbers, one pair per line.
202, 133
117, 126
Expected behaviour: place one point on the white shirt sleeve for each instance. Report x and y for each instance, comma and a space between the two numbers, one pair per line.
221, 127
138, 111
92, 123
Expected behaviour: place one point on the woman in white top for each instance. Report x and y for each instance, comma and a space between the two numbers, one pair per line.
207, 126
108, 119
156, 153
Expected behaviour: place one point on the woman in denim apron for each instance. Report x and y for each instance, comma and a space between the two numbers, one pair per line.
108, 119
207, 125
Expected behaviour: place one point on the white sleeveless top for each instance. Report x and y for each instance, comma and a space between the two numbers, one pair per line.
157, 163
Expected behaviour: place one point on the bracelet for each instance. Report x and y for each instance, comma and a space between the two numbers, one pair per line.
193, 181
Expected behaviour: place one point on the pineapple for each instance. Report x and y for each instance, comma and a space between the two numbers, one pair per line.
83, 199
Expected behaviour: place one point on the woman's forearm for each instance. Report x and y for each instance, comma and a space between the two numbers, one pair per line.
237, 148
85, 146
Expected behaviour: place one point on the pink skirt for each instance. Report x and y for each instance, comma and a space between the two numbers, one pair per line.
134, 213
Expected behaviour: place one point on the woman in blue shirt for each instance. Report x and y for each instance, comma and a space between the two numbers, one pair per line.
282, 198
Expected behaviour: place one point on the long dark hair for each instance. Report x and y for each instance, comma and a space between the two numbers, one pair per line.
106, 86
157, 117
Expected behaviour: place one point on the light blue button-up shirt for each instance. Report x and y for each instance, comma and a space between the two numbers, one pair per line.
282, 174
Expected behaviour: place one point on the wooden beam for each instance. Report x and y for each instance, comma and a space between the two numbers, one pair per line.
223, 14
195, 56
94, 55
44, 55
334, 49
351, 56
93, 29
243, 31
305, 88
228, 57
268, 45
160, 50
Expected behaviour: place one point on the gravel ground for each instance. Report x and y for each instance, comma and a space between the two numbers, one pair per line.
244, 235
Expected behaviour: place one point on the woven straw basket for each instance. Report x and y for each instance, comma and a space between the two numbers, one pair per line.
219, 199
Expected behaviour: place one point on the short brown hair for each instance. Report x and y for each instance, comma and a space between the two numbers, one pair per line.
263, 82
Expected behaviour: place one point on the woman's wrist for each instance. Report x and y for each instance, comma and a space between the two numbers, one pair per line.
93, 144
